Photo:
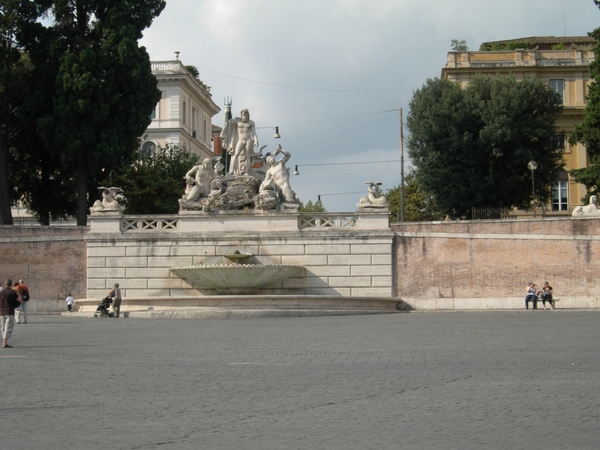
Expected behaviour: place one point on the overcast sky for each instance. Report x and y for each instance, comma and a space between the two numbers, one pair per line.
331, 74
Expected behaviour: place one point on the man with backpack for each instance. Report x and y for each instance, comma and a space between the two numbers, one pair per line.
24, 293
9, 300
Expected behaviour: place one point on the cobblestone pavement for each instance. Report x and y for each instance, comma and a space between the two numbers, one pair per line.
463, 380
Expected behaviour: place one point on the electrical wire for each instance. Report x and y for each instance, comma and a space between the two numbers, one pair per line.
305, 88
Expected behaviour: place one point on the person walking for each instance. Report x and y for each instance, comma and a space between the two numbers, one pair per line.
9, 300
116, 295
70, 301
23, 291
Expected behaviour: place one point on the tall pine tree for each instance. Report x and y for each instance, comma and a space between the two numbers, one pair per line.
103, 90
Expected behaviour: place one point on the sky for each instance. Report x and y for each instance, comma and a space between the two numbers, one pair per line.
333, 75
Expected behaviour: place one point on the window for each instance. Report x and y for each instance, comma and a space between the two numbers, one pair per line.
558, 86
148, 148
204, 130
560, 143
560, 192
153, 114
183, 115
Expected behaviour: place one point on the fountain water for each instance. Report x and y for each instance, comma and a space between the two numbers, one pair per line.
237, 271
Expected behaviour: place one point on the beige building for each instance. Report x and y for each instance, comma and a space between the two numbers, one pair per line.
562, 63
183, 114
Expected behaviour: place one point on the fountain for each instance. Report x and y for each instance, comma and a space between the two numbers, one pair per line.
234, 271
344, 260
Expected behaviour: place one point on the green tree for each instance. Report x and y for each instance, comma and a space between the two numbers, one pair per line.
418, 204
15, 17
459, 45
310, 207
470, 147
155, 182
103, 90
588, 133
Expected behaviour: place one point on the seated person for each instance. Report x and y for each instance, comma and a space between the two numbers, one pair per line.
531, 296
547, 295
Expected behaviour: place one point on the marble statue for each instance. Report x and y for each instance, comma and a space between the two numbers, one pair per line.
239, 138
243, 187
199, 186
374, 198
278, 176
591, 209
109, 202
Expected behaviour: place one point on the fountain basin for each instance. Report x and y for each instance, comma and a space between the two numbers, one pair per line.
238, 276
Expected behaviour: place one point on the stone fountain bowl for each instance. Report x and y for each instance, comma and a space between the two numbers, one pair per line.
240, 276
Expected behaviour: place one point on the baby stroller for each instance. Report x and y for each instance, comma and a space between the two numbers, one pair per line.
102, 310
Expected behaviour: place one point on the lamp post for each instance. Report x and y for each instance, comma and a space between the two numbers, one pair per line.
401, 169
532, 165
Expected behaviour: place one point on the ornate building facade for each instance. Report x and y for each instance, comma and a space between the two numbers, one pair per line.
562, 63
184, 113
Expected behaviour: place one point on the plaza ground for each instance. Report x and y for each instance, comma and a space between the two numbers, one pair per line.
459, 380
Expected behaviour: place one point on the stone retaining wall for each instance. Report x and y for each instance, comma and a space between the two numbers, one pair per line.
435, 265
51, 261
353, 261
460, 265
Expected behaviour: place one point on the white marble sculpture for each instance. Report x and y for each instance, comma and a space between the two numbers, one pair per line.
239, 138
277, 177
374, 198
109, 202
199, 178
591, 209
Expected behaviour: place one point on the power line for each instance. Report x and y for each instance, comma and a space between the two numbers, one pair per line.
340, 135
342, 193
347, 163
305, 88
337, 118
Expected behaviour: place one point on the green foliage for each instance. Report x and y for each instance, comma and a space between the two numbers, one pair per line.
516, 45
15, 16
588, 132
559, 46
194, 71
99, 82
470, 147
418, 204
494, 46
155, 182
459, 46
313, 207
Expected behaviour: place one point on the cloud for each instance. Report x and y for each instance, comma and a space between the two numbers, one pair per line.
325, 71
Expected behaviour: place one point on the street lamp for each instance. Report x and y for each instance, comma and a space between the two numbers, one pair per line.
532, 165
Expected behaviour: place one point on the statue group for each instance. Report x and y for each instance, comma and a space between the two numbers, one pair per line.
252, 181
245, 184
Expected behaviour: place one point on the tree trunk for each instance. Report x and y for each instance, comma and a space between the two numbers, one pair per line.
82, 182
5, 212
44, 218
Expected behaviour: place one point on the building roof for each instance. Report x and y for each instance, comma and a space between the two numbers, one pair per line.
543, 42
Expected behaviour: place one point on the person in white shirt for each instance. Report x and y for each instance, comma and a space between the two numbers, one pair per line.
70, 301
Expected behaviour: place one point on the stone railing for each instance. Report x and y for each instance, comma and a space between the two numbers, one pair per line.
167, 66
234, 221
325, 221
514, 58
140, 224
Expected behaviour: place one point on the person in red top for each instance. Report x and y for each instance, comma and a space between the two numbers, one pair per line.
22, 311
9, 300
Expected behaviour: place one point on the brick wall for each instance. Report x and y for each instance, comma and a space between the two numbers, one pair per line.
51, 260
492, 259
